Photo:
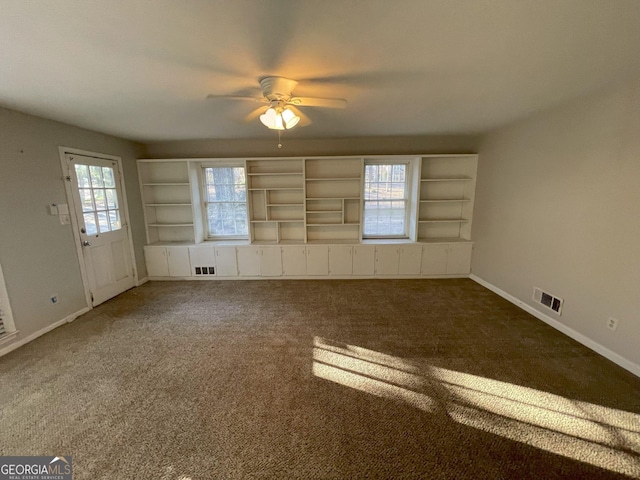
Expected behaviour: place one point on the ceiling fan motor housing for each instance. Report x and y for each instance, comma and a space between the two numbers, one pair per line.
277, 88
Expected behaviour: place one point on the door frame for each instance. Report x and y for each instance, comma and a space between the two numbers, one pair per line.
64, 151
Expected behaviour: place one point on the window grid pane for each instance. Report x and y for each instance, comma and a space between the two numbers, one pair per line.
385, 200
100, 205
226, 201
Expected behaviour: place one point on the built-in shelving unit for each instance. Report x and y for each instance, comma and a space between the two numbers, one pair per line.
309, 200
276, 200
333, 199
447, 188
167, 196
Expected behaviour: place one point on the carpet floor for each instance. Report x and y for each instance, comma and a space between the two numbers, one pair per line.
433, 379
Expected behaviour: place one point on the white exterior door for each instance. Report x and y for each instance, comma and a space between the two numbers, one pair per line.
104, 235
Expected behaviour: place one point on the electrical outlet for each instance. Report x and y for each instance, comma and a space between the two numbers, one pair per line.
612, 323
54, 299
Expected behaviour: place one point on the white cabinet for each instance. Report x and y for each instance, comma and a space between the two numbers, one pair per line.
364, 259
178, 260
459, 258
294, 262
340, 260
248, 261
254, 261
317, 260
156, 260
271, 262
446, 259
434, 259
167, 261
410, 258
226, 262
387, 258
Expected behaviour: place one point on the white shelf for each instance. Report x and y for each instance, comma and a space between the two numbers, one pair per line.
447, 190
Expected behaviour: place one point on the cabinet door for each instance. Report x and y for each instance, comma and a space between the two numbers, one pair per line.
364, 259
317, 260
340, 260
387, 257
226, 262
249, 259
434, 259
294, 260
271, 263
410, 258
156, 260
178, 259
459, 258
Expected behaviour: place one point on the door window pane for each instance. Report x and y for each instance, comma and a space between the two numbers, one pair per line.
90, 223
103, 221
86, 198
99, 204
82, 172
98, 195
114, 220
112, 199
107, 175
96, 176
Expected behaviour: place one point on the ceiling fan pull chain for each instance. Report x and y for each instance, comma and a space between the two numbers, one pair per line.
279, 144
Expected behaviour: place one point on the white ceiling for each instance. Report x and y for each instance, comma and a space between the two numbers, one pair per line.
141, 69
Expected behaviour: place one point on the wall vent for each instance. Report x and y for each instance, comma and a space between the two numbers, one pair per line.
205, 271
547, 300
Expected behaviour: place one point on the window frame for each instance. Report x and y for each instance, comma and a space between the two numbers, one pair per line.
408, 197
208, 236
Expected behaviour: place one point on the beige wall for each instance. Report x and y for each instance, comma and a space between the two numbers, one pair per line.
299, 147
37, 254
558, 207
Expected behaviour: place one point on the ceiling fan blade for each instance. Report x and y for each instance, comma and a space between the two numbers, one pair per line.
238, 97
318, 102
304, 119
254, 114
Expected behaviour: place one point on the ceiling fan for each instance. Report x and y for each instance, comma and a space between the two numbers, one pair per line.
282, 112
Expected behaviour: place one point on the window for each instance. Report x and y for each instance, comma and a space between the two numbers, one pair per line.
225, 199
386, 199
99, 198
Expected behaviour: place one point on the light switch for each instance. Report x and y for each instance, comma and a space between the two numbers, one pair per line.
63, 209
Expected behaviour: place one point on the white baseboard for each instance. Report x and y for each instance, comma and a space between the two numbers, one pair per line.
586, 341
142, 281
39, 333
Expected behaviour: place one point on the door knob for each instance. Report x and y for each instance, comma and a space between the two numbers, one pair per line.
86, 243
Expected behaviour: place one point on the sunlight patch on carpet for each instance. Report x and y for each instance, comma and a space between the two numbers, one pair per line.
590, 433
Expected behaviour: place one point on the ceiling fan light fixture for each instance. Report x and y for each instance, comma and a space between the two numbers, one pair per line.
290, 118
276, 120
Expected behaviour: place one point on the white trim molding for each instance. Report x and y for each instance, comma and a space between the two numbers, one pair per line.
584, 340
68, 319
